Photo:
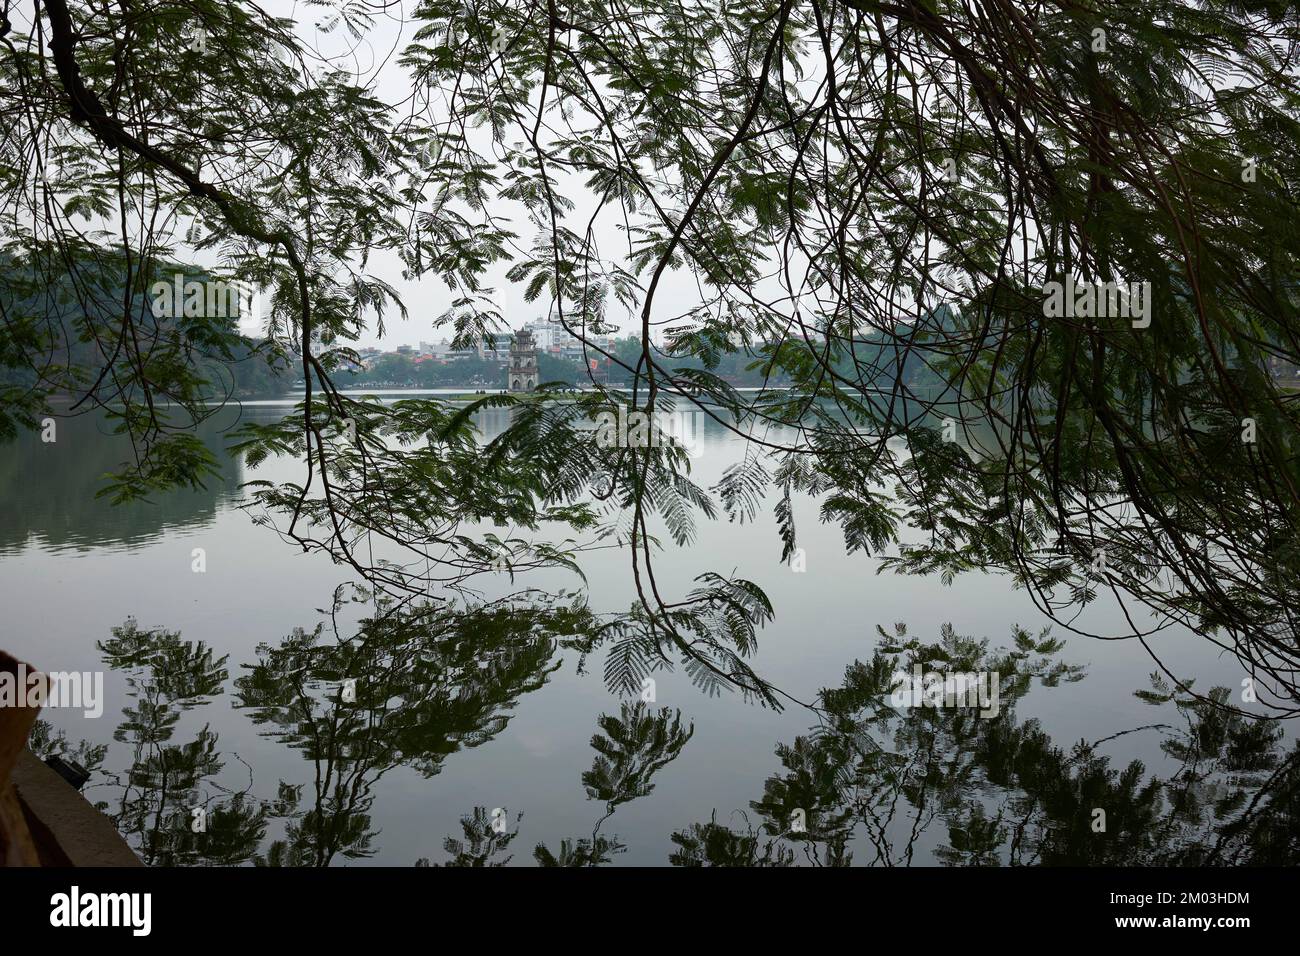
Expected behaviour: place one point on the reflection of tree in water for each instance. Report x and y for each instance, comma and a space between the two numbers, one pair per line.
636, 745
416, 683
1001, 790
168, 781
1004, 792
885, 784
48, 490
427, 681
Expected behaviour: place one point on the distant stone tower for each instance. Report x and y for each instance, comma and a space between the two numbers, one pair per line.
522, 374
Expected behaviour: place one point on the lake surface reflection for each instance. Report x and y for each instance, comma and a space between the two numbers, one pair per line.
292, 719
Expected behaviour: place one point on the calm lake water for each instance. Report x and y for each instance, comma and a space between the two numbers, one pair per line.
72, 568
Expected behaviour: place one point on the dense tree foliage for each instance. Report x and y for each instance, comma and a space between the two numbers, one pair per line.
849, 190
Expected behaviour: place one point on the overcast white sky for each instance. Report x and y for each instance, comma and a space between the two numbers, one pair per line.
428, 297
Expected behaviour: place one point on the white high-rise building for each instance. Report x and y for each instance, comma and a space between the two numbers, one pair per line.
550, 335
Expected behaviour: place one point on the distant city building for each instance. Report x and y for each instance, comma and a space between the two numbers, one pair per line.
521, 375
443, 351
1283, 370
543, 337
453, 354
496, 346
555, 340
550, 335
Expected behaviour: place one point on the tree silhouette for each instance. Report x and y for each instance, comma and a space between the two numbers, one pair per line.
877, 203
999, 789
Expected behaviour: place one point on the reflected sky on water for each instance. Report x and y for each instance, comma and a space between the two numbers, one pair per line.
509, 728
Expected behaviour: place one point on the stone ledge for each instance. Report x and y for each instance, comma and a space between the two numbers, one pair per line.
66, 829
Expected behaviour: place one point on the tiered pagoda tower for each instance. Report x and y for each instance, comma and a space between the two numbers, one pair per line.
521, 375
